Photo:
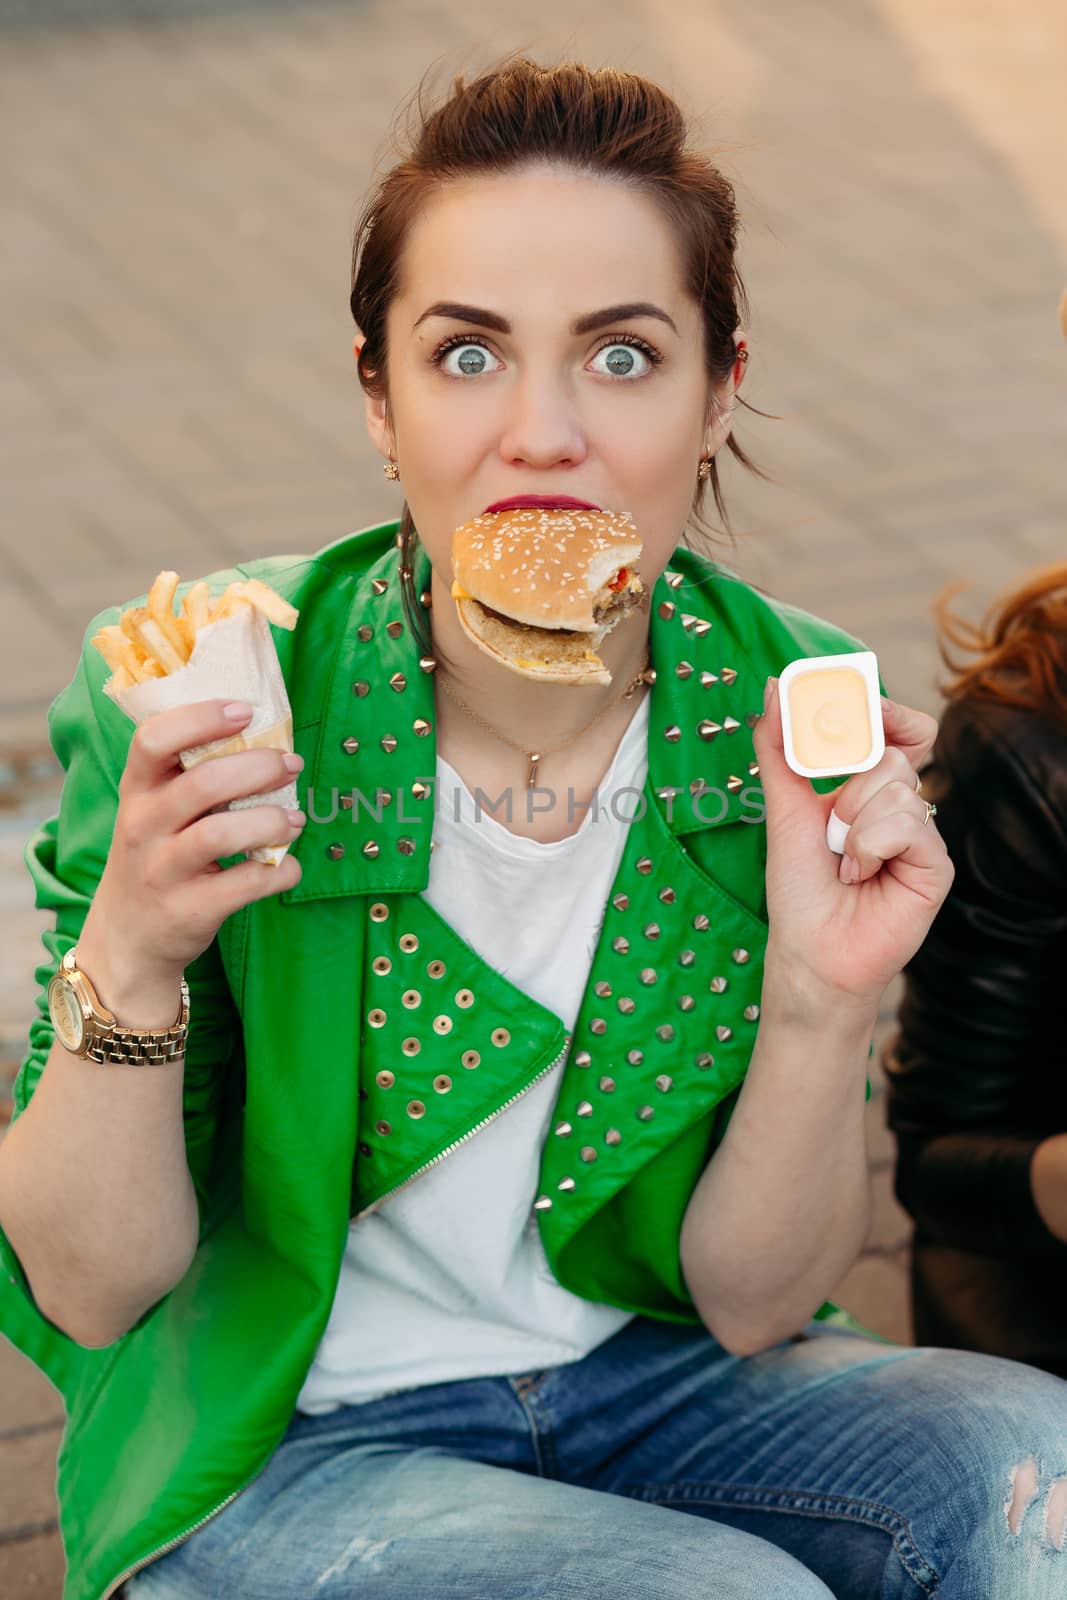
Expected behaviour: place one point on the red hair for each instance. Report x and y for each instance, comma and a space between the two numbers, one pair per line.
1020, 646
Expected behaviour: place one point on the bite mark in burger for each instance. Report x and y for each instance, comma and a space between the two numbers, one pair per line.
538, 588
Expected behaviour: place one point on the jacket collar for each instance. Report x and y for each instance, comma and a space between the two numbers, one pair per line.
370, 759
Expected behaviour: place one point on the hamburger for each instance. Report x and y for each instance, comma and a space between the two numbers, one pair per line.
538, 586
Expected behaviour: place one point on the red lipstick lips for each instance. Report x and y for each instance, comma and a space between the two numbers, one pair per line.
540, 502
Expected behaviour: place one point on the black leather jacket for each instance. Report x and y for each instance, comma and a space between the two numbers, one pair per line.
978, 1068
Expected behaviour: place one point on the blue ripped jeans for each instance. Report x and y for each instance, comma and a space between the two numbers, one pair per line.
829, 1465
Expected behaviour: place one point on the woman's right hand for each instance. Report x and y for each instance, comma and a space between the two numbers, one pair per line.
162, 895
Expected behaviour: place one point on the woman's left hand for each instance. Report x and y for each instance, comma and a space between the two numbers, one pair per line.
832, 941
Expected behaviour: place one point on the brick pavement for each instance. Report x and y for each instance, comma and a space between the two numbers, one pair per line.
176, 384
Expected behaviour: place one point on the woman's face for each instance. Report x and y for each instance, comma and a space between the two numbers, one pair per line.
506, 376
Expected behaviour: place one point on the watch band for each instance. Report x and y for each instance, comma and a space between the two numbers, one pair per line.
142, 1046
108, 1042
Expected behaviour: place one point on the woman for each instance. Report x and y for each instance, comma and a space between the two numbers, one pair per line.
353, 1330
976, 1070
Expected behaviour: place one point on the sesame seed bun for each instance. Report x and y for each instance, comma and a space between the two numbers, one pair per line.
533, 587
533, 652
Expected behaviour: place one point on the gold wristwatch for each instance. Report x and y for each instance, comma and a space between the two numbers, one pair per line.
85, 1028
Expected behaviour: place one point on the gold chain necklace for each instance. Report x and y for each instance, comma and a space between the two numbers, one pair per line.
647, 674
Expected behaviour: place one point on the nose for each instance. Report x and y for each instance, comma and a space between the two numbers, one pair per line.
542, 427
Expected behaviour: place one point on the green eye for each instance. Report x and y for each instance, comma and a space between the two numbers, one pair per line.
472, 357
620, 360
624, 357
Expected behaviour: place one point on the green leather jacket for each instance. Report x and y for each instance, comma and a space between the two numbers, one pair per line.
344, 1039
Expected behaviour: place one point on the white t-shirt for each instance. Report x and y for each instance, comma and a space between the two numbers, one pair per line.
448, 1278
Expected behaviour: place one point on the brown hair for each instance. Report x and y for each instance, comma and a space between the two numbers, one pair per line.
602, 121
1020, 646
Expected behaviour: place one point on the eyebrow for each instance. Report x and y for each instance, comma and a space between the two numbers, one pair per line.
587, 324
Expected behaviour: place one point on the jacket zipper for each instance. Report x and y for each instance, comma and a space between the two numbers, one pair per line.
117, 1583
163, 1549
478, 1126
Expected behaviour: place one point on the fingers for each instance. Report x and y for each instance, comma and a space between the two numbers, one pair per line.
894, 827
226, 890
157, 741
791, 802
227, 833
909, 730
220, 779
894, 769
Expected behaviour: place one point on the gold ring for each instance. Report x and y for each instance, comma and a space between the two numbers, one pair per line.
918, 784
931, 811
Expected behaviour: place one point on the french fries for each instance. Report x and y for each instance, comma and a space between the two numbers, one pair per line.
150, 641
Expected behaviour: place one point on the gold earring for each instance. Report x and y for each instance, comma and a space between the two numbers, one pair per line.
704, 469
391, 470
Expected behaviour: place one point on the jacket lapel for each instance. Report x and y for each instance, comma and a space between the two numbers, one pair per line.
445, 1042
371, 762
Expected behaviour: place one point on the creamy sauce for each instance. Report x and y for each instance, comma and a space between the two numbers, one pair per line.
830, 721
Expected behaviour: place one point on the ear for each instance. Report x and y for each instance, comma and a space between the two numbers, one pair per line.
741, 363
720, 425
377, 413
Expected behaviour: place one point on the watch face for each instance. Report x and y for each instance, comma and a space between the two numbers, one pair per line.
66, 1013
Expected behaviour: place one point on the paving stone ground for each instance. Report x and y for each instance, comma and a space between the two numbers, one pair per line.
176, 386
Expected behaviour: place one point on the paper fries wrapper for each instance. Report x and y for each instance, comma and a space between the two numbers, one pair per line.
234, 659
